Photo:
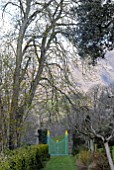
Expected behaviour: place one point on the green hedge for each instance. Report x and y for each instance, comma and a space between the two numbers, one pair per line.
112, 152
27, 158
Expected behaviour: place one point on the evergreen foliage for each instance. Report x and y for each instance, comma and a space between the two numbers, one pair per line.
94, 32
42, 136
26, 158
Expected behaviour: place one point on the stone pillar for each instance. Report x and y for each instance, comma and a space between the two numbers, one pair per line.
66, 142
48, 141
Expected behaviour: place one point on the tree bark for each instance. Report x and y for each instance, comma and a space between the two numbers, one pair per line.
109, 155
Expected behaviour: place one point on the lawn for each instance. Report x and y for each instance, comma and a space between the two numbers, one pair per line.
61, 163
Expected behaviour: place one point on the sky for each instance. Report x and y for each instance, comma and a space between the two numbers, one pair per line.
5, 24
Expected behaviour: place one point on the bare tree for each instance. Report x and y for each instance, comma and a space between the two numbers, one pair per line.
35, 42
97, 120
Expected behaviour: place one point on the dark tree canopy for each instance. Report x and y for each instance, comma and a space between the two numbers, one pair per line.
94, 32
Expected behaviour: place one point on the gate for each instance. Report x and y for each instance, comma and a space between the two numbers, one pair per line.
57, 148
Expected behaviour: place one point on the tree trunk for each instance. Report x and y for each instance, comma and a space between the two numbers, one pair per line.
12, 132
92, 145
109, 155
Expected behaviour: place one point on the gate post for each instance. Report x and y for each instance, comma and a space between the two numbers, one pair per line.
48, 141
66, 142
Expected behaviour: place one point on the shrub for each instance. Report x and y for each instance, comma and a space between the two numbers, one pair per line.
84, 160
28, 158
100, 160
92, 161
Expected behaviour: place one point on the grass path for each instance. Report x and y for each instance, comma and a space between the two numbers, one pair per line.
61, 163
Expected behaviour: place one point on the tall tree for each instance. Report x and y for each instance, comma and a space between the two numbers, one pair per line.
34, 43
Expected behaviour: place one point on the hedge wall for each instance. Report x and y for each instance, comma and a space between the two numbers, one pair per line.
27, 158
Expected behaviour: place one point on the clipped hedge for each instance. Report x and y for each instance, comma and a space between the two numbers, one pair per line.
27, 158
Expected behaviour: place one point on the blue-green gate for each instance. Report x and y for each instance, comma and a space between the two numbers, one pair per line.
57, 148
